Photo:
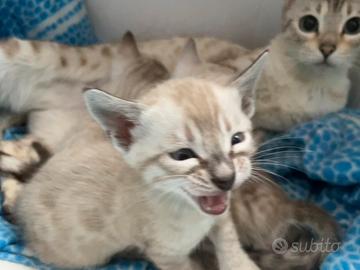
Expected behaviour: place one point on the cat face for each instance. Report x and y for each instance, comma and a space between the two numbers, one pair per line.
322, 32
190, 138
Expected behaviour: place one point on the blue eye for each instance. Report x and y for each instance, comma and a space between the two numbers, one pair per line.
183, 154
238, 138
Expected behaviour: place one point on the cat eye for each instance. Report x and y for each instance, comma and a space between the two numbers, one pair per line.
183, 154
352, 26
309, 24
238, 138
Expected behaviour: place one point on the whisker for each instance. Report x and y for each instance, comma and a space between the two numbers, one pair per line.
284, 137
278, 164
281, 154
278, 155
285, 147
262, 179
277, 158
272, 173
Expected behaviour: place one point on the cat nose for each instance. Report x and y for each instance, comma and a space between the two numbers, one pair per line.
224, 183
327, 49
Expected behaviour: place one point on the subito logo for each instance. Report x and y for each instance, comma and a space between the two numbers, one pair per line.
280, 246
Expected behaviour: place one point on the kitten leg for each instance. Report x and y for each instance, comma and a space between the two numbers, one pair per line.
21, 157
230, 254
11, 189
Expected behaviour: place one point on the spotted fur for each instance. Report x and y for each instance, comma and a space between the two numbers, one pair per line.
143, 196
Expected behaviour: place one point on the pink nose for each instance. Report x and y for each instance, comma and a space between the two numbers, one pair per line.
327, 49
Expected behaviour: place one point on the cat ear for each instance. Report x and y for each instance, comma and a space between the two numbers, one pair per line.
129, 45
116, 116
246, 83
188, 60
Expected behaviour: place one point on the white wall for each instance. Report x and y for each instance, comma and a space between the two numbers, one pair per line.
249, 22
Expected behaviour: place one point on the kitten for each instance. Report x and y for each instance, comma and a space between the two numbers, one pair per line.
309, 63
43, 79
184, 145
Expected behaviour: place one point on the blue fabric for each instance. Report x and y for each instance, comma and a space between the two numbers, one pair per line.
65, 21
320, 161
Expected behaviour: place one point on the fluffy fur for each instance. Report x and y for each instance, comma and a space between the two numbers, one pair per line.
299, 82
146, 197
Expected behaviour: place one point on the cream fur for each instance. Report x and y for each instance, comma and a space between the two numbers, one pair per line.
142, 197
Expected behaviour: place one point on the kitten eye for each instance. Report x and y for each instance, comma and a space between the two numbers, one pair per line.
352, 26
309, 24
238, 138
183, 154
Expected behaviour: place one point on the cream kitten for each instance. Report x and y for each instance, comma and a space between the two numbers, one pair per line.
184, 145
307, 75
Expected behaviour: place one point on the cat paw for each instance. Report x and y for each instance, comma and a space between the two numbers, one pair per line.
21, 157
11, 189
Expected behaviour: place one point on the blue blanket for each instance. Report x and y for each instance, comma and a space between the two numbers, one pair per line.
320, 161
65, 21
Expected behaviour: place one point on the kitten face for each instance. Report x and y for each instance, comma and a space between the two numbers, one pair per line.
205, 145
189, 138
322, 32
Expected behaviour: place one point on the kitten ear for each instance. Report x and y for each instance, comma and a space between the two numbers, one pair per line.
129, 44
246, 83
188, 60
116, 116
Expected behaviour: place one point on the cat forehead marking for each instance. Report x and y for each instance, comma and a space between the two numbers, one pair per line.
200, 104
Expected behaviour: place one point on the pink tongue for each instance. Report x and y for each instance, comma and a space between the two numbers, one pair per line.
214, 205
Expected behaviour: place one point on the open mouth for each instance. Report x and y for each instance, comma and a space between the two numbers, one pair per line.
213, 204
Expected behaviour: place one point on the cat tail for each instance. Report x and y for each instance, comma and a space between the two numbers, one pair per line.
304, 242
318, 232
52, 60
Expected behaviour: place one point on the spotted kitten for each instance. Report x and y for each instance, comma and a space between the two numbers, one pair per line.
179, 148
